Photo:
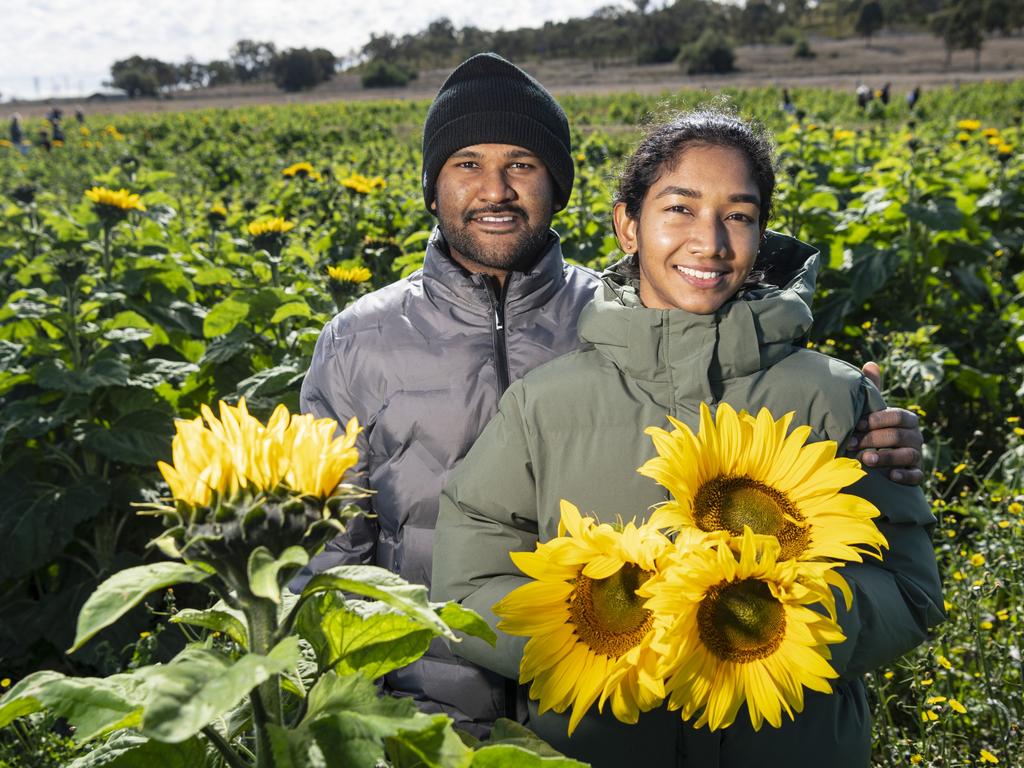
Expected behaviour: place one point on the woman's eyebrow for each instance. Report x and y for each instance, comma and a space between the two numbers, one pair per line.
739, 197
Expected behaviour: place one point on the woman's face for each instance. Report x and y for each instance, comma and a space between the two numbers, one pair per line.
698, 231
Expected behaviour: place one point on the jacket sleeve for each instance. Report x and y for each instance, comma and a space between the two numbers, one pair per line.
488, 509
326, 393
895, 601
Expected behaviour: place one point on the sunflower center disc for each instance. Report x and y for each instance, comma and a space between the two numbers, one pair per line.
741, 621
607, 613
729, 503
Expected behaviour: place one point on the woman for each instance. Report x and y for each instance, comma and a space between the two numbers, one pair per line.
684, 320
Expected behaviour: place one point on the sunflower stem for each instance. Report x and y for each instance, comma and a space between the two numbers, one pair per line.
266, 699
108, 267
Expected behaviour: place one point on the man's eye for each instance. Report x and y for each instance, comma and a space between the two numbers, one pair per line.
741, 217
678, 209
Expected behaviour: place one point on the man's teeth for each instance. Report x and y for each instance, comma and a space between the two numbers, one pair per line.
698, 274
496, 219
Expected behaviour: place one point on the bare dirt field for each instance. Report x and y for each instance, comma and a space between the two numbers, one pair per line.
905, 60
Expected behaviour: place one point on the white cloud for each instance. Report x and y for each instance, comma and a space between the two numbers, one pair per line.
70, 41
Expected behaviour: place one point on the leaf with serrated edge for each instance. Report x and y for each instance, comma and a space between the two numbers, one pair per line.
126, 589
381, 584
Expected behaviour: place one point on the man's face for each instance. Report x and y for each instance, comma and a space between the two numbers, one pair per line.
494, 204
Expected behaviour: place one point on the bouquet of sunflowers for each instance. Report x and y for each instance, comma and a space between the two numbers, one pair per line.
723, 597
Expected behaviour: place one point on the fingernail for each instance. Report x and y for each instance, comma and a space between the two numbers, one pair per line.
870, 459
896, 475
851, 444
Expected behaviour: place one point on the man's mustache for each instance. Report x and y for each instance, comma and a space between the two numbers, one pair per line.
497, 210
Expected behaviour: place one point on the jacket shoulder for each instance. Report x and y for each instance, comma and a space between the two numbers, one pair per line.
372, 312
828, 393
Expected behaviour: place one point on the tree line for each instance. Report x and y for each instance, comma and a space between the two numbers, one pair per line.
699, 34
248, 61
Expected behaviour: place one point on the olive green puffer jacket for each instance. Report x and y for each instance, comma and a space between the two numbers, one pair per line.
573, 429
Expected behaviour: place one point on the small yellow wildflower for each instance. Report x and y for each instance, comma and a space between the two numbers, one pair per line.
890, 675
990, 132
1004, 523
969, 125
1001, 147
349, 274
988, 757
1018, 431
995, 141
84, 130
947, 605
916, 759
940, 476
917, 409
5, 683
986, 625
934, 700
1015, 508
144, 635
217, 211
943, 661
866, 325
926, 682
959, 468
1002, 614
958, 575
1012, 419
928, 716
977, 559
956, 706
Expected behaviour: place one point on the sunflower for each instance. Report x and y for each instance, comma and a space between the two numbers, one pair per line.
741, 630
272, 226
589, 632
303, 170
743, 471
363, 185
969, 125
217, 458
120, 201
349, 275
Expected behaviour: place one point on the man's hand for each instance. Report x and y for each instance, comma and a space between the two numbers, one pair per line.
889, 439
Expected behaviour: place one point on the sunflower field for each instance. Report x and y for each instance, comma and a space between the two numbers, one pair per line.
153, 264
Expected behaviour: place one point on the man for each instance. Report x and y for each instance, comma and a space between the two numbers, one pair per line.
422, 363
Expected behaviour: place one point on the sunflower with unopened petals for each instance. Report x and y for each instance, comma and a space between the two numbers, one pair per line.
745, 471
589, 631
743, 630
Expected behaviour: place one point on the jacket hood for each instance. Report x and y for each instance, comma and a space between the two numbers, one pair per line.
696, 353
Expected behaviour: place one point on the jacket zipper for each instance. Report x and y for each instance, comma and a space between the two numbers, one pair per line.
496, 293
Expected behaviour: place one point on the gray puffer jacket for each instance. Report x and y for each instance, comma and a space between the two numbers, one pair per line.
422, 364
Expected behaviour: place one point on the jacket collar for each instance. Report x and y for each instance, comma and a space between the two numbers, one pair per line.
445, 279
696, 353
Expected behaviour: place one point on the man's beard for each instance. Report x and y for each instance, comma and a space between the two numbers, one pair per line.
515, 252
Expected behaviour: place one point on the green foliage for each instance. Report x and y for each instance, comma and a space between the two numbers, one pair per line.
712, 53
384, 74
300, 68
922, 233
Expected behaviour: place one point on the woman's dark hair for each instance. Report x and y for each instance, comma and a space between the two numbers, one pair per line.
661, 149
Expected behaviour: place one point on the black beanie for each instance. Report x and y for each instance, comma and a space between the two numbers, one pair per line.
488, 100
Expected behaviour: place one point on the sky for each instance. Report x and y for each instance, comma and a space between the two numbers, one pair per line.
66, 47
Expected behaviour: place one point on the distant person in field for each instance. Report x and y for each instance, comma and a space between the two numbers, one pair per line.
43, 140
16, 133
913, 97
422, 363
863, 95
80, 116
787, 103
884, 96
